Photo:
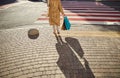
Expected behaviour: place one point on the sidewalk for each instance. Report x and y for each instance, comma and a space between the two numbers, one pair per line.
95, 56
85, 51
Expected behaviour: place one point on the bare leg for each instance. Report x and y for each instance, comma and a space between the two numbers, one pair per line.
58, 29
54, 29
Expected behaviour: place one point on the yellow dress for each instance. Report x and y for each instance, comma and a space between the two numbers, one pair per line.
55, 8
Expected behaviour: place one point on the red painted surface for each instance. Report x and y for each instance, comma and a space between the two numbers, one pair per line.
86, 19
103, 9
79, 11
93, 15
89, 11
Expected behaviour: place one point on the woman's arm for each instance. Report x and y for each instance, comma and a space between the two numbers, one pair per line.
60, 8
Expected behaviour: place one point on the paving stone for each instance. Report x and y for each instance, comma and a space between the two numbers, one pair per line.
45, 58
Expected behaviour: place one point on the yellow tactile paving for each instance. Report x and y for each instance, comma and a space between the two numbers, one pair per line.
91, 33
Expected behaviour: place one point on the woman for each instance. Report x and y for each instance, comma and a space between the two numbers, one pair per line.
54, 10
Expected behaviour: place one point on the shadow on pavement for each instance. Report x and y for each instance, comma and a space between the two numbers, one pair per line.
4, 2
69, 62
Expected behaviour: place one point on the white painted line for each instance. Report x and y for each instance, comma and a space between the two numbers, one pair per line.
90, 11
94, 13
91, 17
82, 22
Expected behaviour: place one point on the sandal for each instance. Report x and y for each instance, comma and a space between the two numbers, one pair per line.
54, 33
58, 32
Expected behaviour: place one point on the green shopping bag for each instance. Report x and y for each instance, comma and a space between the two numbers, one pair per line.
65, 24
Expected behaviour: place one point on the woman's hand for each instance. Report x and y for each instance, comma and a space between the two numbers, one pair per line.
63, 15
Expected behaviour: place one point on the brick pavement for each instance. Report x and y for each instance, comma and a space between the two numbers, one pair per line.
96, 54
45, 57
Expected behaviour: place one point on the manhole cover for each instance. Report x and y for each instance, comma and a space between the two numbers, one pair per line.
33, 33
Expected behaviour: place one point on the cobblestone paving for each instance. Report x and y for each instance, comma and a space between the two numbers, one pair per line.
65, 56
57, 57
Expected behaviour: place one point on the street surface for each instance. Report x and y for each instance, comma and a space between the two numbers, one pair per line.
90, 49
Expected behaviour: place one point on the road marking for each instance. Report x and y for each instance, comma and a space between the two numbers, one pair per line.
88, 8
91, 33
93, 13
87, 19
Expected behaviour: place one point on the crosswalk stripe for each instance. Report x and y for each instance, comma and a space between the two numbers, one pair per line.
106, 9
86, 6
88, 13
87, 19
82, 22
91, 14
91, 11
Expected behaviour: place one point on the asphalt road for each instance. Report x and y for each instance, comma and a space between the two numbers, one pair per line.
20, 14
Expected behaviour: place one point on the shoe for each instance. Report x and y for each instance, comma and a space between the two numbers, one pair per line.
54, 33
58, 32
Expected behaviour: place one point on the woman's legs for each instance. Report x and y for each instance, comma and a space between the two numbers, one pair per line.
56, 29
